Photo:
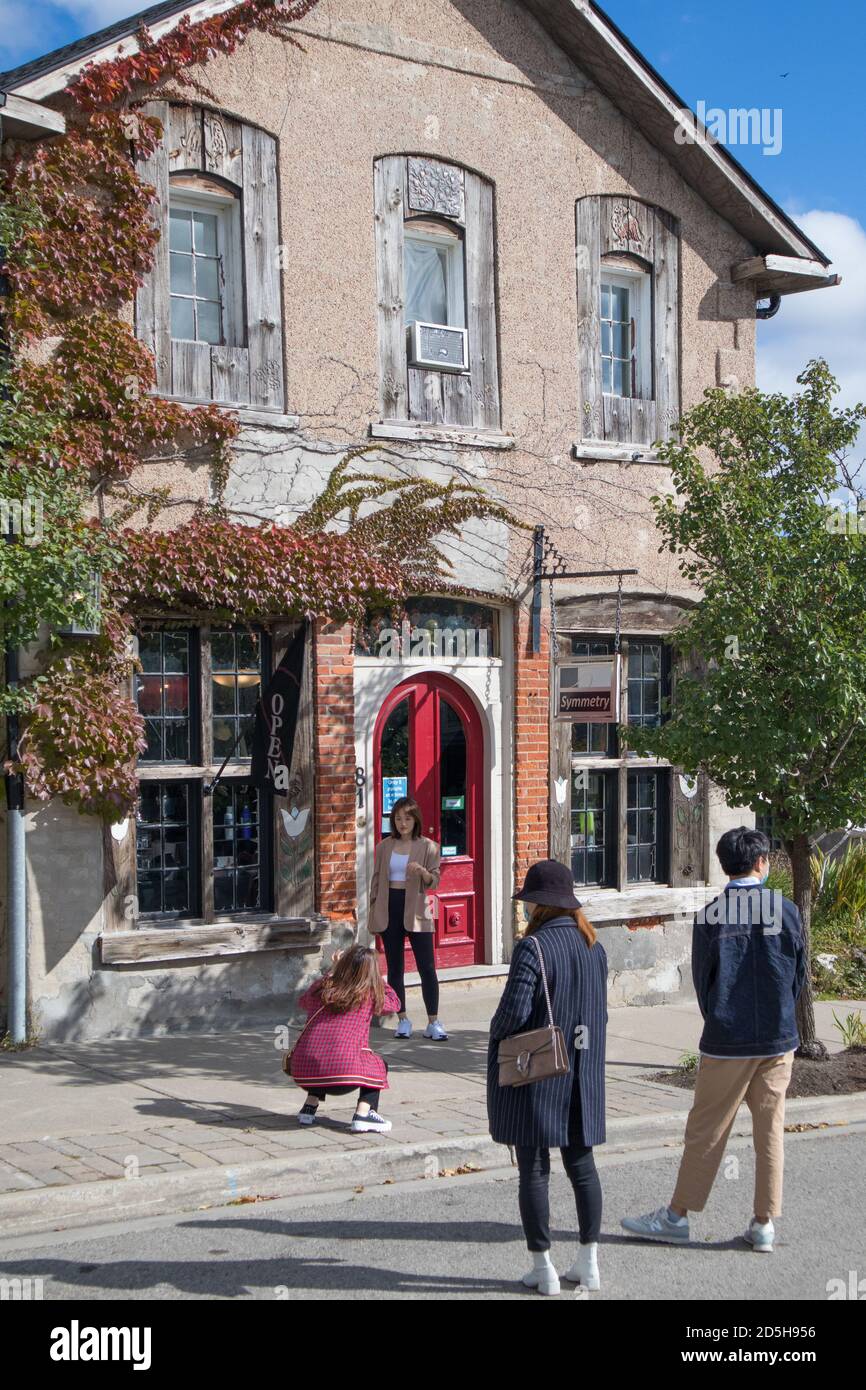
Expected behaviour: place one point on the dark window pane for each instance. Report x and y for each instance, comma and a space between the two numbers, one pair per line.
223, 695
223, 651
176, 694
248, 694
149, 651
163, 848
149, 895
224, 734
223, 891
153, 734
452, 748
149, 693
176, 740
248, 649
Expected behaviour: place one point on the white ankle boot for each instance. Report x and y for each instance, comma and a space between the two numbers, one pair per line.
542, 1276
584, 1271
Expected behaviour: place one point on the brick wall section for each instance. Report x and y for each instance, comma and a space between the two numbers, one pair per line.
335, 770
531, 744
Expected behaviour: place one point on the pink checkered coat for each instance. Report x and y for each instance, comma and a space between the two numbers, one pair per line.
335, 1049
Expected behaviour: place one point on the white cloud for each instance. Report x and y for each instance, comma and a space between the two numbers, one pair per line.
828, 323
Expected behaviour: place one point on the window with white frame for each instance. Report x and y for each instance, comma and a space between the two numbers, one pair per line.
626, 331
205, 274
433, 275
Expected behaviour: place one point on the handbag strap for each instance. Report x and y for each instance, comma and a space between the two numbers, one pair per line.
306, 1026
544, 980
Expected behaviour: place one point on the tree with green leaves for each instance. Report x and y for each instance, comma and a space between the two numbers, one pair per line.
770, 695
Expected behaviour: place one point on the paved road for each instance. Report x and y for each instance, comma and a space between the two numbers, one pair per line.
459, 1237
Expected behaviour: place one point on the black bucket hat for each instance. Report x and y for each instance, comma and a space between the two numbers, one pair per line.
548, 884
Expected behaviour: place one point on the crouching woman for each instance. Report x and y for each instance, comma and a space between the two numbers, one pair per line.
332, 1056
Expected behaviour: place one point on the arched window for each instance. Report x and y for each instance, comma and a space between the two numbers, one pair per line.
210, 309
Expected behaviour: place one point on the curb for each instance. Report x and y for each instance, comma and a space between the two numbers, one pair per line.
36, 1211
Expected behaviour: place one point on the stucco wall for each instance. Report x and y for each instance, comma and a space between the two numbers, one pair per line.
480, 84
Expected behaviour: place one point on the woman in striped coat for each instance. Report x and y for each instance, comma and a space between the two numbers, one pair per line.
566, 1111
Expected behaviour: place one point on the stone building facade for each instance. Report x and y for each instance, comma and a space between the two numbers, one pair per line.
467, 235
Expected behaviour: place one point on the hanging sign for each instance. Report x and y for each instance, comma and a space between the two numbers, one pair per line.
587, 690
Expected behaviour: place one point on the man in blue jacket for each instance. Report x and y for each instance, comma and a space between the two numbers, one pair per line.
748, 965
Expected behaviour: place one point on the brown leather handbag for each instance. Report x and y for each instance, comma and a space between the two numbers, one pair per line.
537, 1055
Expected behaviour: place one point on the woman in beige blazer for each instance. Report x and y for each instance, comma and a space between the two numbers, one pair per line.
405, 870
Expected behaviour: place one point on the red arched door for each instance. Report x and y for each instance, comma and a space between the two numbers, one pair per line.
429, 744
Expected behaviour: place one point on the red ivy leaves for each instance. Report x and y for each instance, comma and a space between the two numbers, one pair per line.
187, 45
214, 565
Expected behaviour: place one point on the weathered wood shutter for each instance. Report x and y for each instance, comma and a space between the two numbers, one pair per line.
294, 815
248, 370
688, 800
611, 225
413, 187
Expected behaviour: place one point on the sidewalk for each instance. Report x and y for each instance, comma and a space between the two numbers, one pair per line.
103, 1131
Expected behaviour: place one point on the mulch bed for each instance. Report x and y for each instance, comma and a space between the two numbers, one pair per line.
841, 1074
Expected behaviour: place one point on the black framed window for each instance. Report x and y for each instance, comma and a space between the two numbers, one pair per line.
609, 794
164, 694
201, 855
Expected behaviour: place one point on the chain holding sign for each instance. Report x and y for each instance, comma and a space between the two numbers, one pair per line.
588, 690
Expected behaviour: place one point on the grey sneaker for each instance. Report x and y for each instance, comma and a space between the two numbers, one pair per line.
403, 1029
657, 1225
760, 1236
371, 1123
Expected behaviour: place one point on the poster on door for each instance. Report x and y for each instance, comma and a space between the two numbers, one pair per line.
392, 789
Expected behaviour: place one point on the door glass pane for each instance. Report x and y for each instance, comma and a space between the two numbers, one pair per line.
588, 806
236, 847
643, 827
162, 848
395, 761
452, 781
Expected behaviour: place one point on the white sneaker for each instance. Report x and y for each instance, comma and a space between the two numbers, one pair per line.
307, 1114
404, 1029
435, 1031
371, 1123
542, 1277
760, 1236
584, 1271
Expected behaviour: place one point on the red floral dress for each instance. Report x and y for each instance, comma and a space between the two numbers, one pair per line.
335, 1048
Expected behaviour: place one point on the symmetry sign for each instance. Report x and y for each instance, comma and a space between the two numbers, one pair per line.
587, 690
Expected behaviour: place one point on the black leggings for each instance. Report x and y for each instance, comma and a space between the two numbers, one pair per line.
422, 949
365, 1093
579, 1164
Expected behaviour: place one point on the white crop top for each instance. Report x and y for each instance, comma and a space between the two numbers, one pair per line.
397, 871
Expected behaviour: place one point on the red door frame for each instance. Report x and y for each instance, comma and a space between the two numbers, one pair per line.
424, 780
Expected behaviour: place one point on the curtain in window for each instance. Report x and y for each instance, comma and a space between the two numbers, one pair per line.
426, 284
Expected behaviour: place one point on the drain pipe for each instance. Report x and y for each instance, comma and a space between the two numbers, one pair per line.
771, 309
16, 866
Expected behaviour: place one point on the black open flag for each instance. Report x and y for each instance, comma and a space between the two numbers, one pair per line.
277, 720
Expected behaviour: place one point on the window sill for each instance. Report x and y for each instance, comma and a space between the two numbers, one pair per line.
603, 451
246, 413
173, 943
606, 907
414, 430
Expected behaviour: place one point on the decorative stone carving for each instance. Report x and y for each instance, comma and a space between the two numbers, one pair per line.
435, 187
216, 142
624, 225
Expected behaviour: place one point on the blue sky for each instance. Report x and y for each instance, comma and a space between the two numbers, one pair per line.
726, 56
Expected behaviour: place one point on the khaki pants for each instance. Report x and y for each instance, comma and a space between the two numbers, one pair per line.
722, 1084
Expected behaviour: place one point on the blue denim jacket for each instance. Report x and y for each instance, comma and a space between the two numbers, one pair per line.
748, 965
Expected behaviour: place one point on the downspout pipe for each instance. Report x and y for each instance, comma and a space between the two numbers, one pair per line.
16, 865
772, 308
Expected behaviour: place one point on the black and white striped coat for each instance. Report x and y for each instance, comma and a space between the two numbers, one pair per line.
567, 1109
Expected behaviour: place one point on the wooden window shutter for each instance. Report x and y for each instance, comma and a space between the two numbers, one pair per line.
152, 308
294, 814
481, 305
389, 179
261, 242
250, 369
666, 323
611, 225
588, 263
411, 187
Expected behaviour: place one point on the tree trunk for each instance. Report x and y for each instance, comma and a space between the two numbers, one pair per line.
800, 854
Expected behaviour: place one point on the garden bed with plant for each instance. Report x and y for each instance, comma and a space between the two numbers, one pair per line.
840, 1074
838, 919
